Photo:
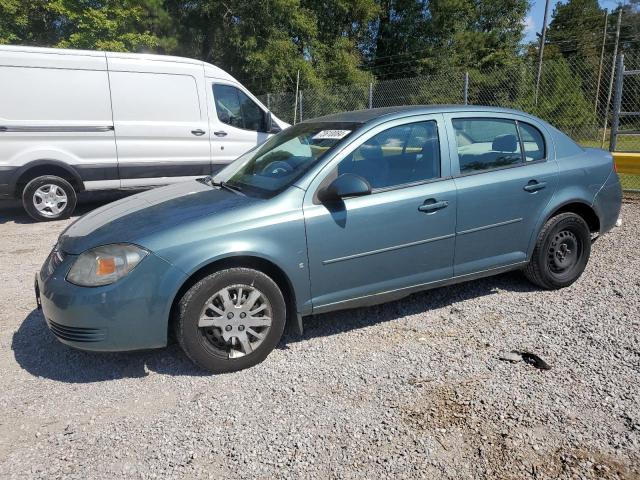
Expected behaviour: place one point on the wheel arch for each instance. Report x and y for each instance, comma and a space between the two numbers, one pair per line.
261, 264
581, 208
575, 205
37, 168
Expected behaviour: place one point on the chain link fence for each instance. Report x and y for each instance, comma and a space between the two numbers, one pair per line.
574, 94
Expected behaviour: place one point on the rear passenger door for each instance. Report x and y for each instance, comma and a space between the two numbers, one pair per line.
501, 191
237, 123
160, 124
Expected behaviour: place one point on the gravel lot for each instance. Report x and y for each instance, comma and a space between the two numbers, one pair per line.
413, 388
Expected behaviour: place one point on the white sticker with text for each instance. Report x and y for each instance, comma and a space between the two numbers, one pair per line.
331, 134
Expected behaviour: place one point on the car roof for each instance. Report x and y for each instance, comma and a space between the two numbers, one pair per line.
365, 116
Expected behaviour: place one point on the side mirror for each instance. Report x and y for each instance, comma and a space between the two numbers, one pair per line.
346, 185
271, 127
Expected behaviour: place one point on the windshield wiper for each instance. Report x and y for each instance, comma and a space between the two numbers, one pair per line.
226, 186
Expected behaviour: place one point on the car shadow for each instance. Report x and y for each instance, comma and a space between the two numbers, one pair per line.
334, 323
12, 211
38, 352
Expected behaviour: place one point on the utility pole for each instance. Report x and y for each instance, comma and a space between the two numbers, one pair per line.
604, 41
541, 50
613, 74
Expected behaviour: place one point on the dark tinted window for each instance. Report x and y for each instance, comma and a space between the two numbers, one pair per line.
486, 143
533, 141
400, 155
235, 108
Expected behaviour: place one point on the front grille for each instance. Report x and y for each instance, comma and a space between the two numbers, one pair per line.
77, 334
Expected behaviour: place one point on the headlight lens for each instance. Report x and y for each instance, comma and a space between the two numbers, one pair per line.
104, 265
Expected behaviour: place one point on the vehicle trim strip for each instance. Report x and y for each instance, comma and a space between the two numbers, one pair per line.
387, 249
493, 225
403, 291
55, 128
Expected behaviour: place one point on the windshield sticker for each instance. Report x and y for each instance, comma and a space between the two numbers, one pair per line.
331, 134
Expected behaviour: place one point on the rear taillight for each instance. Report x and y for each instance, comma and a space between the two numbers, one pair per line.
615, 166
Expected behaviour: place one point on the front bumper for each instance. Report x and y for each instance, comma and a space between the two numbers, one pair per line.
130, 314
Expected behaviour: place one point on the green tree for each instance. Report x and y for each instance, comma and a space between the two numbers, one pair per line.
121, 25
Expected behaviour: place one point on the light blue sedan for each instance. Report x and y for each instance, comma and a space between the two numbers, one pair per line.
337, 212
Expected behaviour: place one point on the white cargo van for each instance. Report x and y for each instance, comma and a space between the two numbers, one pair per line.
73, 120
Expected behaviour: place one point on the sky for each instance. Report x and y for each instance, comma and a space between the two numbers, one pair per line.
534, 20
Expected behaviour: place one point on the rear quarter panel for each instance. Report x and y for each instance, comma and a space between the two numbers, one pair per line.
581, 175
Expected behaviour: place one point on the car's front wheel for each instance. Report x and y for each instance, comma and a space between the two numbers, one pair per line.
49, 197
561, 252
231, 320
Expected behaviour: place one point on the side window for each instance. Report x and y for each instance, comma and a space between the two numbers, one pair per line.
154, 97
533, 142
486, 143
235, 108
397, 156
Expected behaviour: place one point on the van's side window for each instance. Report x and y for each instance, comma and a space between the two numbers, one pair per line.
486, 143
154, 97
235, 108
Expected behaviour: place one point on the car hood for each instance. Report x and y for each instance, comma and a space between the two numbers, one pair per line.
132, 219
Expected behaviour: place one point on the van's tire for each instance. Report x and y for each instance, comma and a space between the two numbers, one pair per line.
221, 335
48, 198
561, 252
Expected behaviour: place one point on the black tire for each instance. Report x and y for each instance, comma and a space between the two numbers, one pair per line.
203, 345
561, 252
30, 201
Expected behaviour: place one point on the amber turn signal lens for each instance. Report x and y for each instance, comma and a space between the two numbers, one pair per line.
106, 266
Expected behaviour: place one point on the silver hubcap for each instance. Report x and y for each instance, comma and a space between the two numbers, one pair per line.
50, 200
236, 319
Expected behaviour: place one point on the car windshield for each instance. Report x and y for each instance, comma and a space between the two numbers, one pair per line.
275, 165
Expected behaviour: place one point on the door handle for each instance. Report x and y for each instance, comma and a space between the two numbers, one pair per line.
198, 132
220, 133
533, 186
433, 206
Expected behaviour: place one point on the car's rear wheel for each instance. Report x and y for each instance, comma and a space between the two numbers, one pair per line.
561, 252
231, 320
48, 198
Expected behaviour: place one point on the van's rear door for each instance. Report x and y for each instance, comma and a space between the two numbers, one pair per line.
160, 120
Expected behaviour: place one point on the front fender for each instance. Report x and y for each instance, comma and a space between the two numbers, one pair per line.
275, 233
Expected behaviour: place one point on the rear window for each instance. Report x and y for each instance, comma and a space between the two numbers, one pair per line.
486, 143
533, 142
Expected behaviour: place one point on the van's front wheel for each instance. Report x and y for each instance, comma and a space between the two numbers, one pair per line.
49, 198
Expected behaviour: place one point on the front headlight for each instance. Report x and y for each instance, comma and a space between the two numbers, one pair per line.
104, 265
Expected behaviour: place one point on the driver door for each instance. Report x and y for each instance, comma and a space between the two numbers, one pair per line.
399, 236
236, 122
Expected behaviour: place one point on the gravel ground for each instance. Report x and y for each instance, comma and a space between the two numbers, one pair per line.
414, 388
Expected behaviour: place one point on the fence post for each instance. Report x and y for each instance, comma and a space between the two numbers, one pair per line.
617, 102
541, 52
269, 101
604, 41
300, 105
466, 88
613, 69
370, 95
295, 98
